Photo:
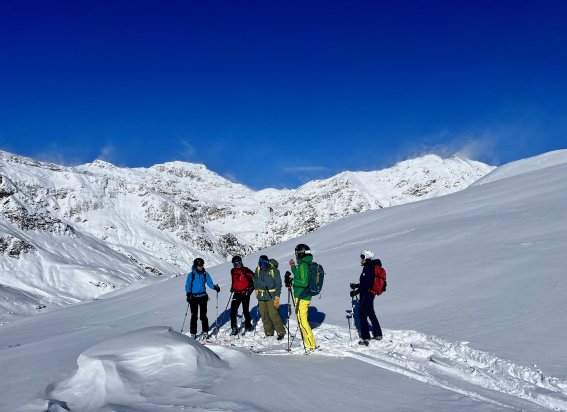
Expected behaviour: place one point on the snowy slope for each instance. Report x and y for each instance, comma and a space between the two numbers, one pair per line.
155, 221
473, 318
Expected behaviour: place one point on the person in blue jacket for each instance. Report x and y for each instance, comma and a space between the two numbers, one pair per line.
197, 295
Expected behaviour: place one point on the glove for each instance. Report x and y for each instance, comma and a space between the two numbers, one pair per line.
292, 262
288, 279
354, 285
217, 288
277, 302
353, 293
188, 297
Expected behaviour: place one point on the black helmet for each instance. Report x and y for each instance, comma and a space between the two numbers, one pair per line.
237, 260
198, 262
302, 250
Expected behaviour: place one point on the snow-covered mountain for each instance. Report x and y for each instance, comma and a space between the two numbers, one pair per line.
89, 229
473, 319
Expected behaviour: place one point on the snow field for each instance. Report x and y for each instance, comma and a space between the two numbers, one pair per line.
156, 367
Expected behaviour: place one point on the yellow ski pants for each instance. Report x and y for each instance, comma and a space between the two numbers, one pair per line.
301, 312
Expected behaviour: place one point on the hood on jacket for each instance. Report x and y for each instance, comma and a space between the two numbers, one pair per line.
274, 263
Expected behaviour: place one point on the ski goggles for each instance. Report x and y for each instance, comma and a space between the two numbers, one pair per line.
237, 263
263, 262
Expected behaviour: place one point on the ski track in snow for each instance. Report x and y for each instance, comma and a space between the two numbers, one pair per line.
426, 358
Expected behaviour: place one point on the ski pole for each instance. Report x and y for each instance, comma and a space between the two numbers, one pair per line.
296, 308
226, 307
352, 305
187, 311
257, 317
349, 316
288, 316
217, 320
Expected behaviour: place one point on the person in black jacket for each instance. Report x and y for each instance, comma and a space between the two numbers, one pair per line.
366, 305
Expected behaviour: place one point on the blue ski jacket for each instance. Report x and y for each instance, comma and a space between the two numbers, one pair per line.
195, 283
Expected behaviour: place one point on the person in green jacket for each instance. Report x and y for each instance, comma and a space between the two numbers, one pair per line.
300, 270
268, 285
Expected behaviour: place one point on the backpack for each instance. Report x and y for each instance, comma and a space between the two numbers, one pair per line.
380, 283
316, 278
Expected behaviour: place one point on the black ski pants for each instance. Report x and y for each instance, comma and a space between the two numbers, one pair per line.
365, 312
199, 305
237, 299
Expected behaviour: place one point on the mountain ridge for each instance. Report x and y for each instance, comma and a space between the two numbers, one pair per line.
160, 218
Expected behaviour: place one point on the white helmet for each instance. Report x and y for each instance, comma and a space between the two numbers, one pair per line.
366, 254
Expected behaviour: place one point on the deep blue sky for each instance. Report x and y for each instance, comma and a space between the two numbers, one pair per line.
272, 93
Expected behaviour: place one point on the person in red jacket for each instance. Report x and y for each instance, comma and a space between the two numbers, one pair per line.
242, 288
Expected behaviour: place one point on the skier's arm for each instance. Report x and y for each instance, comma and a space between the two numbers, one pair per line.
209, 280
301, 278
278, 280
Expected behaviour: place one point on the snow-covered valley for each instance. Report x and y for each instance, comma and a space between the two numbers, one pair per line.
473, 319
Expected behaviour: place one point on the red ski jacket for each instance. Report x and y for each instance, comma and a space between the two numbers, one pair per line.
242, 279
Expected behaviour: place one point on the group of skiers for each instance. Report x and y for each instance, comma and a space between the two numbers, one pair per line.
266, 283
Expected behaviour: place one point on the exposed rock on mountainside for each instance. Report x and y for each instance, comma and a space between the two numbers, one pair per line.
156, 220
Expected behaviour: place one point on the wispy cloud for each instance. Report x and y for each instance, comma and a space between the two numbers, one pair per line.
304, 174
188, 150
475, 146
108, 153
58, 155
231, 177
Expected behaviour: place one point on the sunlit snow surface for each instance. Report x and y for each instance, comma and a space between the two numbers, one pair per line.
473, 319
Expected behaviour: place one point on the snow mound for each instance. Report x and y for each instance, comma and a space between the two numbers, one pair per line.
557, 157
149, 366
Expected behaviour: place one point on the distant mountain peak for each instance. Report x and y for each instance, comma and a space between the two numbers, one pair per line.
156, 220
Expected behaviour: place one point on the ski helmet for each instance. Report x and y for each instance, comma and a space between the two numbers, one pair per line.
198, 262
366, 254
237, 260
302, 250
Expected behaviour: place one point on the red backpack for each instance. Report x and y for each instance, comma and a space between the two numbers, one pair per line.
380, 283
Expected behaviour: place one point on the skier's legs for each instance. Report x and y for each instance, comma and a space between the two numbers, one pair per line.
234, 309
203, 308
363, 317
266, 321
246, 310
306, 331
276, 318
194, 305
376, 329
